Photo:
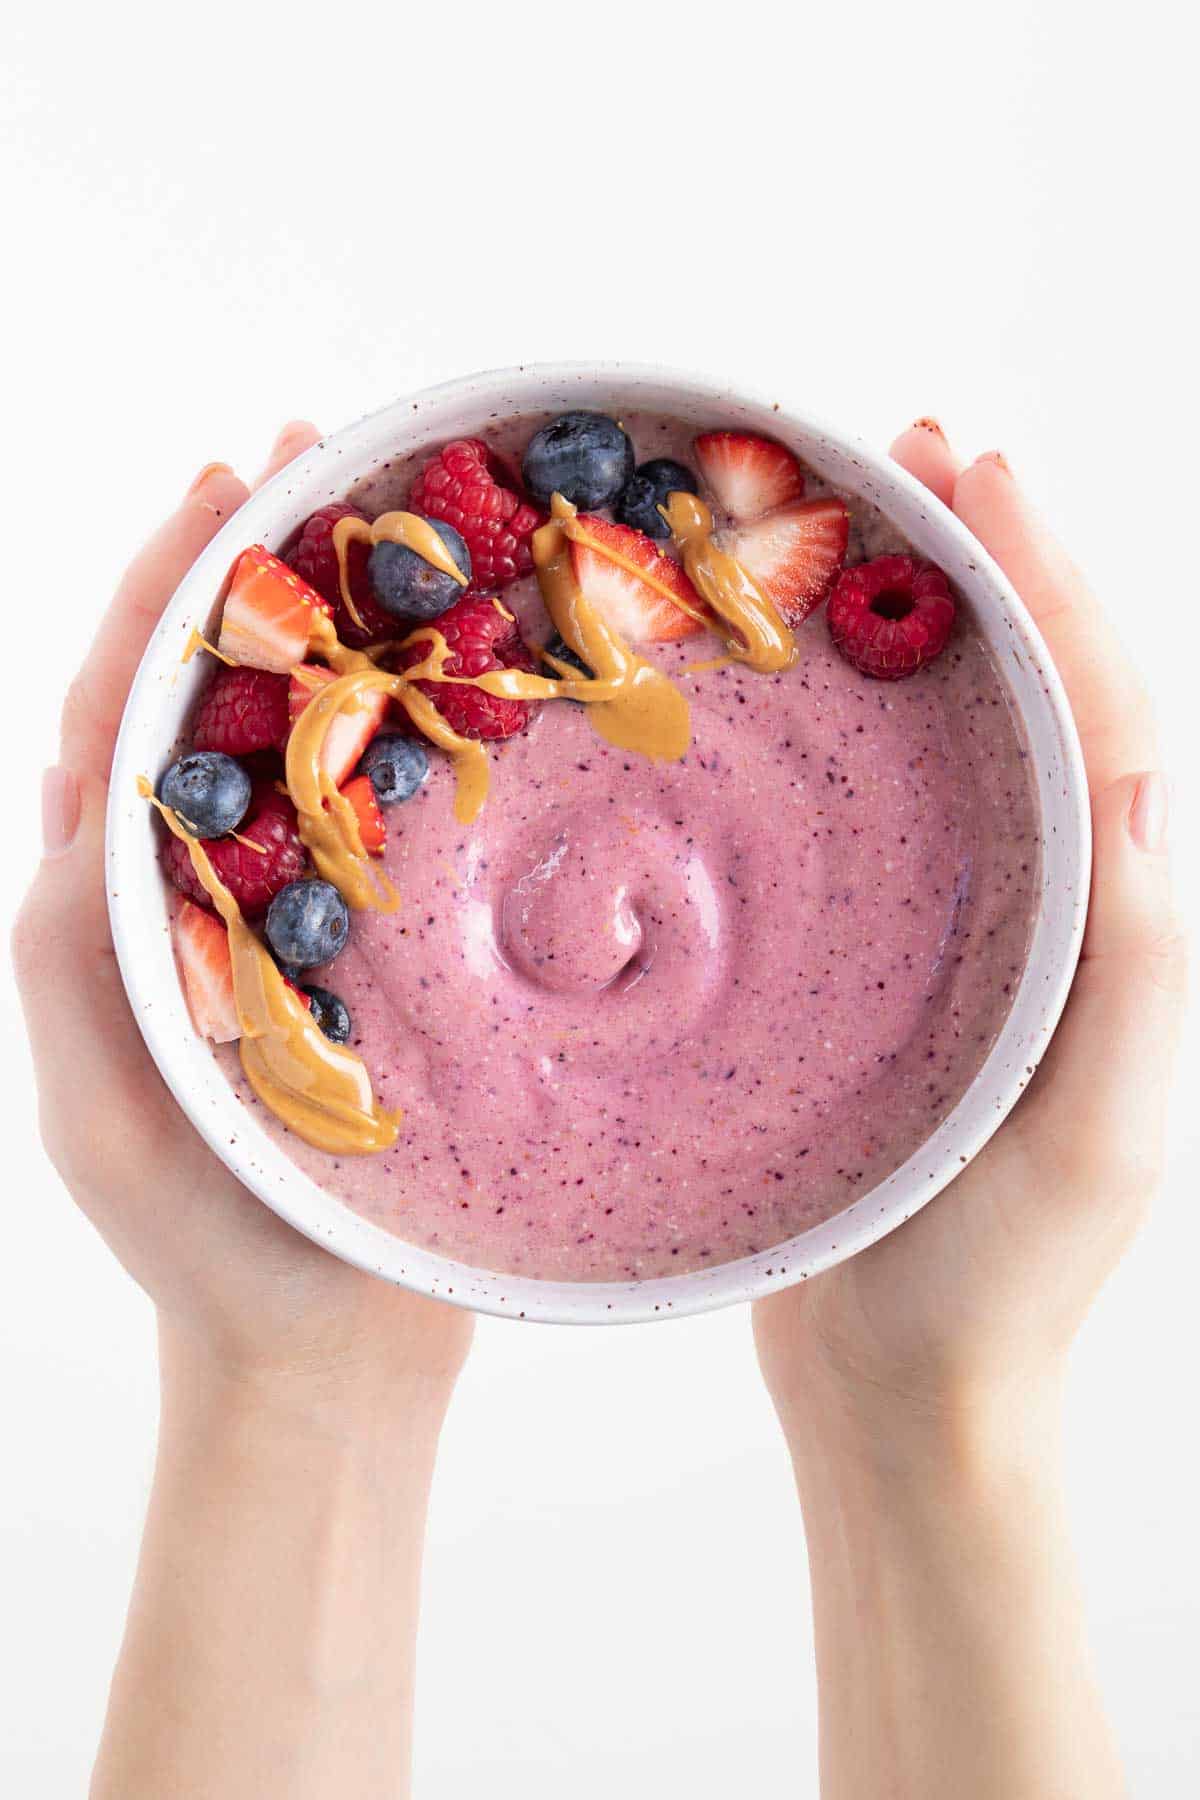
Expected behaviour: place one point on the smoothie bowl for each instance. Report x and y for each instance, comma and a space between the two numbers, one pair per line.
593, 848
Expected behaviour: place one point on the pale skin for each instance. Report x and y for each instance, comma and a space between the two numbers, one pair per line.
270, 1641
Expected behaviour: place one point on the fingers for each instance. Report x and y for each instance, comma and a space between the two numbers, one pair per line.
924, 452
1131, 921
1112, 714
92, 711
1103, 1085
75, 1007
293, 439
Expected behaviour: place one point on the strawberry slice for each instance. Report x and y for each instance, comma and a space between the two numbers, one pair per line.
361, 794
268, 614
748, 476
795, 554
353, 728
633, 583
202, 946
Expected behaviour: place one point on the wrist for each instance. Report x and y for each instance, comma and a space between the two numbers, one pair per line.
968, 1447
347, 1401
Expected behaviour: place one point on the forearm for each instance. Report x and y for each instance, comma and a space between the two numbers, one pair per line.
950, 1644
270, 1641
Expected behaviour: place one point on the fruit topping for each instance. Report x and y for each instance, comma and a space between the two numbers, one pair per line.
268, 614
243, 710
207, 791
330, 1013
254, 870
202, 947
891, 616
748, 476
647, 489
350, 731
561, 652
315, 559
408, 587
584, 456
481, 635
794, 555
462, 487
371, 828
633, 584
396, 766
308, 923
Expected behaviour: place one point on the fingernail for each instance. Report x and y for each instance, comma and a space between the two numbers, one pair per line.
929, 425
205, 476
60, 810
997, 457
1148, 813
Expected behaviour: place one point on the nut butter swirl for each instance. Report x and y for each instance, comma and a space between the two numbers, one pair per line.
754, 632
318, 1089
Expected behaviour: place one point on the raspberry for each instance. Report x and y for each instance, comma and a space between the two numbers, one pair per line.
251, 877
243, 710
481, 636
459, 486
315, 560
892, 616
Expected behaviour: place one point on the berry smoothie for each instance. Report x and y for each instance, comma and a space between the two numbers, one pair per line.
641, 1016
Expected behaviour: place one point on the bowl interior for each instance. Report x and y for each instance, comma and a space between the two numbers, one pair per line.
164, 692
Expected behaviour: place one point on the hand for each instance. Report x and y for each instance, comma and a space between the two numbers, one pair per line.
225, 1273
978, 1296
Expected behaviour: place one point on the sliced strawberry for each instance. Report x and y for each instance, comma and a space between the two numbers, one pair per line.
795, 554
633, 584
371, 828
748, 476
202, 946
353, 728
268, 617
306, 679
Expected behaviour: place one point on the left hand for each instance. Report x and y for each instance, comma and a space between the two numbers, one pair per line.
224, 1271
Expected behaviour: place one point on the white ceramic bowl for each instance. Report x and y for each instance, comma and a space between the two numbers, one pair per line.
164, 691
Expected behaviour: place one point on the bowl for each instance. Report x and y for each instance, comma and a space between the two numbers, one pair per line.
164, 691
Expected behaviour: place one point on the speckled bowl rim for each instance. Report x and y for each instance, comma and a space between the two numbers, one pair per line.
162, 694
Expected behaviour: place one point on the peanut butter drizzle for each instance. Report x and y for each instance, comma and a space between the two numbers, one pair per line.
318, 1089
197, 641
405, 528
633, 705
754, 632
326, 821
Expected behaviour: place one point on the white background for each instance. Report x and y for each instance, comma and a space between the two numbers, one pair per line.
220, 219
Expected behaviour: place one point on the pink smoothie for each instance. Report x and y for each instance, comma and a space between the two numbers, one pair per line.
642, 1018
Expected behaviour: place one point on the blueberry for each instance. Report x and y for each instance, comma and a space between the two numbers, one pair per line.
329, 1013
397, 766
408, 587
208, 792
583, 456
308, 922
647, 490
559, 648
